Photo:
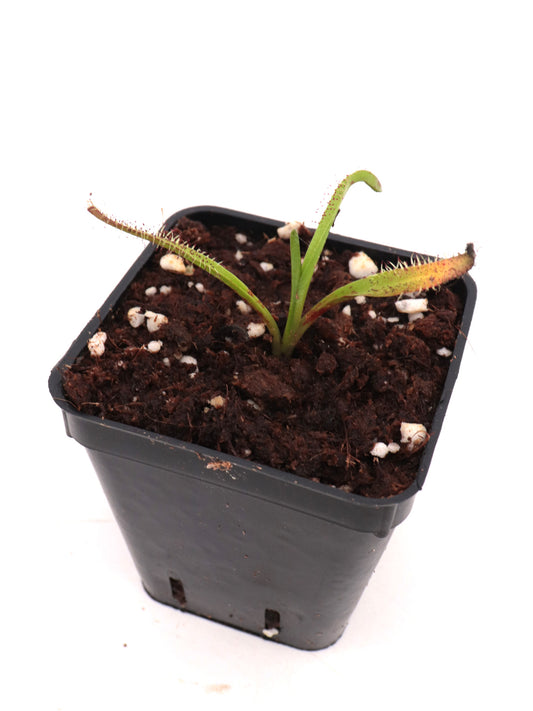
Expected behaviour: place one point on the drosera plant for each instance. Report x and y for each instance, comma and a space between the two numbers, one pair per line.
390, 281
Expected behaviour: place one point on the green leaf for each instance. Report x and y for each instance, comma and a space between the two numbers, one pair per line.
391, 282
202, 261
299, 294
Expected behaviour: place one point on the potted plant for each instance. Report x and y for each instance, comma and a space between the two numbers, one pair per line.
181, 425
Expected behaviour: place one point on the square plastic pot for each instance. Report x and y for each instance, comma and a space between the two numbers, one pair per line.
240, 543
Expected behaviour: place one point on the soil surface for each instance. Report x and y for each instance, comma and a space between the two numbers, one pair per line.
353, 379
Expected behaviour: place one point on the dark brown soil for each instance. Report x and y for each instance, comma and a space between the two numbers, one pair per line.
351, 382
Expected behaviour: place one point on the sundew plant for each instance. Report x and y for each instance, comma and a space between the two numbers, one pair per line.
391, 281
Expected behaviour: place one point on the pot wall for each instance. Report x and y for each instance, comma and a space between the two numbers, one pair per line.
237, 558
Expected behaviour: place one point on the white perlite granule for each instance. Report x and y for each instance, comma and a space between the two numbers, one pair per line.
154, 321
173, 263
136, 316
414, 435
154, 346
95, 344
361, 265
285, 231
271, 632
255, 330
243, 307
190, 360
380, 449
411, 306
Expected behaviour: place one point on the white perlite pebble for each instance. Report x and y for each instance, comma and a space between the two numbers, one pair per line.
360, 300
255, 330
243, 307
411, 306
241, 239
413, 434
155, 321
347, 311
217, 402
95, 344
266, 266
200, 287
285, 231
154, 346
190, 360
272, 632
151, 291
172, 263
135, 316
361, 265
380, 449
444, 352
165, 289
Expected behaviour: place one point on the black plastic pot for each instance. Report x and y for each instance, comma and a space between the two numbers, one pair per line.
246, 545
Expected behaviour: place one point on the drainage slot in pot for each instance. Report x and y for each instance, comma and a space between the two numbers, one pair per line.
178, 592
272, 623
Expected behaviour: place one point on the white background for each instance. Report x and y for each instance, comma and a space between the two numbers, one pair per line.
263, 108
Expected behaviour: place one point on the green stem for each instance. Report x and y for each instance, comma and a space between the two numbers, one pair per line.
296, 271
299, 290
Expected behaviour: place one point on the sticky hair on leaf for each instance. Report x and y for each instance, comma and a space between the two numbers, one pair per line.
393, 280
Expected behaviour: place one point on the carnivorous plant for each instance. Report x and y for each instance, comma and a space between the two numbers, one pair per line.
390, 281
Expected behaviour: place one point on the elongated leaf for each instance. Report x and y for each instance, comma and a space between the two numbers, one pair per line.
391, 282
299, 291
202, 261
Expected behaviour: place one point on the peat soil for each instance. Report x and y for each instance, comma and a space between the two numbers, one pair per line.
357, 374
